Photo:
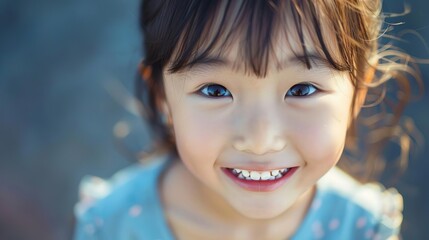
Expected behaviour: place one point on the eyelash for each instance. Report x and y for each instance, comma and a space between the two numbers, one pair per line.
204, 91
309, 90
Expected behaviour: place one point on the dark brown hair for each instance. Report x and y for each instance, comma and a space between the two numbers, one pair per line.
180, 33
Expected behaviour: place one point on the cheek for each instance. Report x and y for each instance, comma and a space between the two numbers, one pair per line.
320, 132
199, 138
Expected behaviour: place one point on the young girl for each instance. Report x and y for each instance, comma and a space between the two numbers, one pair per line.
253, 104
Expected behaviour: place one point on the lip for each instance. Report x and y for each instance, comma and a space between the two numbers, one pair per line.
259, 168
260, 186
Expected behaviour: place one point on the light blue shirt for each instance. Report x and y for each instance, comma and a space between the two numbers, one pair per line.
128, 207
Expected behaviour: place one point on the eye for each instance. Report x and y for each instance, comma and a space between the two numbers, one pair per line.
301, 90
214, 91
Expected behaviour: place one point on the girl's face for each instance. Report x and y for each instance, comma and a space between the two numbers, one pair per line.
293, 118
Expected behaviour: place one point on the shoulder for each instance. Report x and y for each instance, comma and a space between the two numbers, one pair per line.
118, 208
364, 210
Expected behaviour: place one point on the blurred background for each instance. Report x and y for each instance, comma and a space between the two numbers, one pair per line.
66, 70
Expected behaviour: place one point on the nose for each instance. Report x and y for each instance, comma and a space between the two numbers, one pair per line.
260, 131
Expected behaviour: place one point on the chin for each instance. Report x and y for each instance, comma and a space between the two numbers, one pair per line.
262, 210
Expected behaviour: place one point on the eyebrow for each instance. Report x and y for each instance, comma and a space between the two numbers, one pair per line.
202, 62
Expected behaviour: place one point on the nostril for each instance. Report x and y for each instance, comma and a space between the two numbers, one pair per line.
279, 144
259, 148
239, 145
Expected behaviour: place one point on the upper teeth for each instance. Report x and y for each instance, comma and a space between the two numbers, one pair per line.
256, 175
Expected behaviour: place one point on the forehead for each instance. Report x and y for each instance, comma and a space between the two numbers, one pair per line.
256, 38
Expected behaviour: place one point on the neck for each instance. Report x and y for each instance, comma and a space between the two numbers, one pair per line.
193, 209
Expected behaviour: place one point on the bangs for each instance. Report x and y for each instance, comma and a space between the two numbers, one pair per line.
213, 28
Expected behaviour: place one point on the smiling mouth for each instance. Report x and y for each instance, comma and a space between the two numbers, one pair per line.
259, 175
260, 181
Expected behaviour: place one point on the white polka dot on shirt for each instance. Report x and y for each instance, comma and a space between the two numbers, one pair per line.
377, 237
316, 204
318, 230
369, 233
334, 223
90, 229
99, 222
360, 223
135, 210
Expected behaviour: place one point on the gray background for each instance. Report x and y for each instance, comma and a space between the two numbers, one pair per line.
59, 61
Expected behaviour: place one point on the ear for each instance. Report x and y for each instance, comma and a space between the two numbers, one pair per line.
164, 108
145, 71
161, 103
361, 92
